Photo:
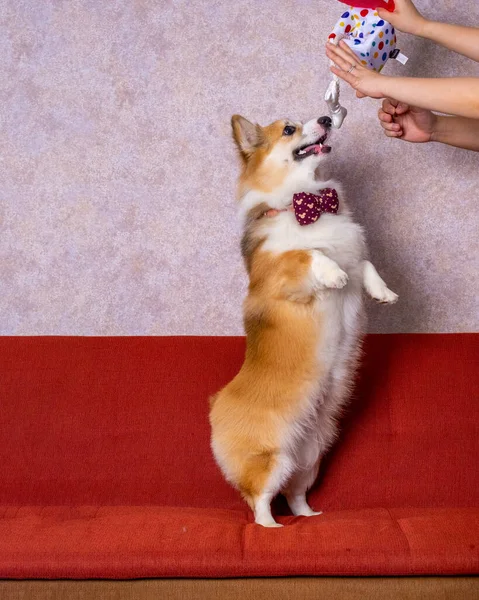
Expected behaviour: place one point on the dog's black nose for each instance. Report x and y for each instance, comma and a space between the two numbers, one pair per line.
325, 122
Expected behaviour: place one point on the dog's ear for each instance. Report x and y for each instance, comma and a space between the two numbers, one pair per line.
247, 136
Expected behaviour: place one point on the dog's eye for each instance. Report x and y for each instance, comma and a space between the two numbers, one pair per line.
289, 130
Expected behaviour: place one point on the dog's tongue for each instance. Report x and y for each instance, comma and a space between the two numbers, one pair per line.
318, 148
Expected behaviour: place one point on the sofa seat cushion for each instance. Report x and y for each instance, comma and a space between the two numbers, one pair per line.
121, 542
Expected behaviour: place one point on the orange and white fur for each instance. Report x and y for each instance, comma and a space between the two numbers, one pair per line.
303, 318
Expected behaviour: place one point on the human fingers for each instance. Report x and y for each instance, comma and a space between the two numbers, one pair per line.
344, 46
393, 134
384, 116
402, 108
393, 127
389, 106
404, 17
341, 58
345, 76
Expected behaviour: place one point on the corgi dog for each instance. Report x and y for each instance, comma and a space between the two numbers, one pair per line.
307, 264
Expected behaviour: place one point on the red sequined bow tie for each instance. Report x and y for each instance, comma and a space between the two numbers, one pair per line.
309, 207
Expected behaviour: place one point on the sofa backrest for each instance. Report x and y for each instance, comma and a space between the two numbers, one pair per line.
125, 421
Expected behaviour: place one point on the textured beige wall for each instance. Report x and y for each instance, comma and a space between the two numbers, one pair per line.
117, 171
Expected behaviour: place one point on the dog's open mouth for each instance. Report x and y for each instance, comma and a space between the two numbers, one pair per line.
319, 147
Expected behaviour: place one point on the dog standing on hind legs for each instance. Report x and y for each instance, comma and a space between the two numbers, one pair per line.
304, 319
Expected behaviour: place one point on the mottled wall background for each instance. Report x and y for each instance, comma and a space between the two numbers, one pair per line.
117, 171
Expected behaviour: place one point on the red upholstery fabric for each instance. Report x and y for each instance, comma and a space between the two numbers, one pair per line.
106, 471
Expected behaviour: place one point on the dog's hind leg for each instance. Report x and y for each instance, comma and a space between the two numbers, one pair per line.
263, 477
295, 492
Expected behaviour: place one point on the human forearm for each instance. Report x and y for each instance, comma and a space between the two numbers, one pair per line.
454, 95
464, 40
457, 96
457, 131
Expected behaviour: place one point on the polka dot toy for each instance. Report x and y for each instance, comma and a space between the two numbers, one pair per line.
371, 38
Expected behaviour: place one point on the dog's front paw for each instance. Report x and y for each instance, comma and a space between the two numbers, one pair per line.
327, 272
334, 278
387, 296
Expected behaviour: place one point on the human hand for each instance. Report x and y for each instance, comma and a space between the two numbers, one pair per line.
405, 17
409, 123
350, 69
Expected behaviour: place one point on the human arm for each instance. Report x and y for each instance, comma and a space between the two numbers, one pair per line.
457, 131
406, 18
417, 125
458, 95
453, 95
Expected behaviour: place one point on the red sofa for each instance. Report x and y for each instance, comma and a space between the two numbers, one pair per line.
106, 470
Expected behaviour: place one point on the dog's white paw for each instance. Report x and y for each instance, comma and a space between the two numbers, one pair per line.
269, 524
386, 296
309, 513
327, 273
334, 278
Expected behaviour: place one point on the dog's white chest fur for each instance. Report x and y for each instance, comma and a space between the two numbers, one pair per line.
337, 236
339, 252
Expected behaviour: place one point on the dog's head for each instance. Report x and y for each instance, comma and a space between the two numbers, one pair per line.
282, 158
